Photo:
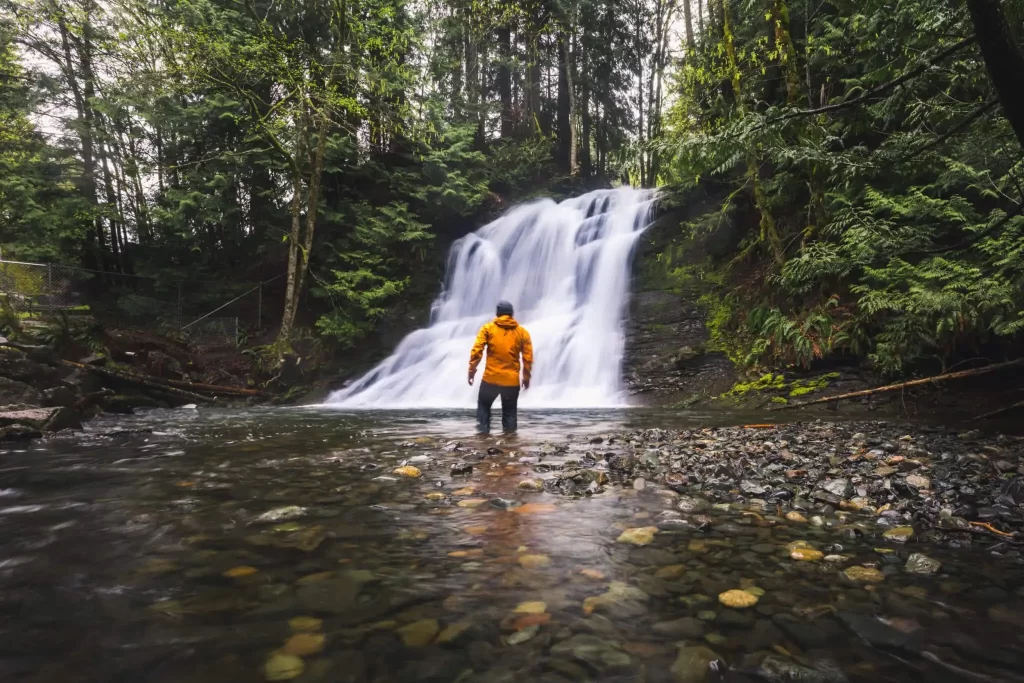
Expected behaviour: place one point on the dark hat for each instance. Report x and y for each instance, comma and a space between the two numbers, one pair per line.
504, 308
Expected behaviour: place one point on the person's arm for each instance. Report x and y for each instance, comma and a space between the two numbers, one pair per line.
527, 359
477, 353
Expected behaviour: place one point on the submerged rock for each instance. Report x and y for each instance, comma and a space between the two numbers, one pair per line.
283, 667
639, 535
596, 652
695, 665
919, 563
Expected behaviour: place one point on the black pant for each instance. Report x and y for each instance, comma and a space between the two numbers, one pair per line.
509, 399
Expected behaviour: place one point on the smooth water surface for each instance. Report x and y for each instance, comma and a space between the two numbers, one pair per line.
140, 556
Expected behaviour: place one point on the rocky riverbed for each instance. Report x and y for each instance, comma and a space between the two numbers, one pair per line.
309, 545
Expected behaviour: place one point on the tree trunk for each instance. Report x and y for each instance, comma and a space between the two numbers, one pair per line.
700, 18
787, 53
1003, 59
691, 44
508, 122
312, 203
566, 142
531, 125
94, 242
585, 164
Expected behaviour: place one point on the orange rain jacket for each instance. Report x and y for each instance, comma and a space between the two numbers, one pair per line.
504, 340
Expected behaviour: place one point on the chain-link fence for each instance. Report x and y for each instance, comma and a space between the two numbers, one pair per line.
203, 314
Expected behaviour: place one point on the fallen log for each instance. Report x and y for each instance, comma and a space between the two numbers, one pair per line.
172, 383
141, 380
910, 383
214, 388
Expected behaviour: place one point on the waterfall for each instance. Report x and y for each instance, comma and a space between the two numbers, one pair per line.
565, 268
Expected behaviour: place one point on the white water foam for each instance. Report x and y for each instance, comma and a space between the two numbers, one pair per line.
565, 267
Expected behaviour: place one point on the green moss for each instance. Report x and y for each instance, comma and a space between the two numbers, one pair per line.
765, 382
804, 387
781, 400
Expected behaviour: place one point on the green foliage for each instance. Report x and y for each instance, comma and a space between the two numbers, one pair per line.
892, 239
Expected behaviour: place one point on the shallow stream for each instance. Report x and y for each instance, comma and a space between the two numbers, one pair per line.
210, 545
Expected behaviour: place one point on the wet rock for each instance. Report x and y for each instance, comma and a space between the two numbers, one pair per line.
596, 652
695, 665
863, 575
306, 539
806, 554
41, 419
900, 534
531, 485
752, 487
305, 624
794, 516
691, 504
529, 561
639, 535
522, 635
461, 468
13, 392
877, 633
407, 471
737, 599
779, 669
919, 482
283, 667
419, 633
811, 635
502, 503
687, 627
919, 563
838, 487
304, 644
282, 514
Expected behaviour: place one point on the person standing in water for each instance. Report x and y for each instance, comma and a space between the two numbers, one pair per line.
505, 341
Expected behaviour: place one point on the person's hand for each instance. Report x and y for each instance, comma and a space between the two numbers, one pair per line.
471, 380
526, 384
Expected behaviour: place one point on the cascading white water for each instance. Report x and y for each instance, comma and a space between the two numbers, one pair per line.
565, 268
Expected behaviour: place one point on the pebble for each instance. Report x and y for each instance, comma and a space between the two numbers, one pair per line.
738, 599
639, 535
860, 574
407, 471
900, 534
795, 516
531, 485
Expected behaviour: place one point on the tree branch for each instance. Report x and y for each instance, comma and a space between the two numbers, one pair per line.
884, 87
978, 113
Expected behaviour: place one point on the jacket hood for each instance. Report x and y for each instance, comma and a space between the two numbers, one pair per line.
506, 321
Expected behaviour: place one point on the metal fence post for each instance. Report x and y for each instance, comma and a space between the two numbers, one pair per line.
259, 308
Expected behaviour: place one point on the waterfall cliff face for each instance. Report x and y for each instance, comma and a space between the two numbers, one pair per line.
565, 267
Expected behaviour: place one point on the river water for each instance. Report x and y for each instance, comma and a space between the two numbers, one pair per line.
144, 551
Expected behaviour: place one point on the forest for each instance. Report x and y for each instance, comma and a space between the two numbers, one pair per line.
863, 159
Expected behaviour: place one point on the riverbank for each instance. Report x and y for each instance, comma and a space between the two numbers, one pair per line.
310, 545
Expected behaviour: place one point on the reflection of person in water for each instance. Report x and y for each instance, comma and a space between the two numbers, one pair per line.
505, 341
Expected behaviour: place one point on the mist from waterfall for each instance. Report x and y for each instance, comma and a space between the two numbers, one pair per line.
566, 269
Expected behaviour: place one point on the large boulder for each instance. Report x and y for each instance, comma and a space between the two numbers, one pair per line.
18, 366
14, 392
40, 419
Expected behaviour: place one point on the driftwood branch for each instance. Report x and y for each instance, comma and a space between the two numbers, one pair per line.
1000, 411
910, 383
